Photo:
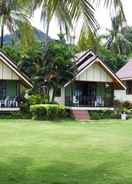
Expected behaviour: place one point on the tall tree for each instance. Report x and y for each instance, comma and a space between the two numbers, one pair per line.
89, 40
12, 14
118, 40
68, 11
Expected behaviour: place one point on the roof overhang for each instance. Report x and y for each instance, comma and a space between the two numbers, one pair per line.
14, 68
126, 79
97, 60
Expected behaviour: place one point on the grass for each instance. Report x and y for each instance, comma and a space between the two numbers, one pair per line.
66, 152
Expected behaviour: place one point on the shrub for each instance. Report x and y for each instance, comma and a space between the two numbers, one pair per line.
34, 99
96, 115
47, 111
117, 104
127, 105
37, 99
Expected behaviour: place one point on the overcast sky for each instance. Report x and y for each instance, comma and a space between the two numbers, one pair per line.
102, 15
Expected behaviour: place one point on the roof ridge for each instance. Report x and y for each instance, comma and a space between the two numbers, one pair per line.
13, 65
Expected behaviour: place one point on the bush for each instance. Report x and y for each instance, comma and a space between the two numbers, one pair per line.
47, 111
31, 100
14, 115
37, 99
127, 105
96, 115
117, 104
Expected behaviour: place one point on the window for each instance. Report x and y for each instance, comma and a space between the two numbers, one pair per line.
2, 89
129, 87
58, 92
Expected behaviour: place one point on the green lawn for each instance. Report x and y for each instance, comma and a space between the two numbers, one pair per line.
67, 152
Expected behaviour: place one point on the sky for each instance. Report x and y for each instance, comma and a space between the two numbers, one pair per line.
102, 15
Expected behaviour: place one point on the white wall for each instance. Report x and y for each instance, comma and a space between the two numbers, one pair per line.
122, 96
6, 73
95, 73
61, 100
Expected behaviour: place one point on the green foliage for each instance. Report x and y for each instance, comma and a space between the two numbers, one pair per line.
97, 115
47, 111
37, 99
112, 60
89, 40
12, 15
118, 41
123, 106
32, 60
13, 53
94, 115
26, 37
15, 115
56, 68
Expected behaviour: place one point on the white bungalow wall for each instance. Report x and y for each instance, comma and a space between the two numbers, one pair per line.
122, 95
95, 73
61, 99
6, 73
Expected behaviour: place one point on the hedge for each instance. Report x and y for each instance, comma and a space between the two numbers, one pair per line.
47, 111
97, 115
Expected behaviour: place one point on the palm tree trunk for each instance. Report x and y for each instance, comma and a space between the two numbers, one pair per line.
47, 35
53, 96
2, 33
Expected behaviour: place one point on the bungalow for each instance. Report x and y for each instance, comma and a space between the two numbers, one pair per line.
125, 75
12, 84
93, 86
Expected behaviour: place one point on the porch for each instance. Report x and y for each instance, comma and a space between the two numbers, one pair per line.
9, 95
82, 95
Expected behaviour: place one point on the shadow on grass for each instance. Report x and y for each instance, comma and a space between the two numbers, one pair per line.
23, 171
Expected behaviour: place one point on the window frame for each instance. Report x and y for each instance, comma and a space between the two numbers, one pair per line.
129, 87
3, 89
58, 95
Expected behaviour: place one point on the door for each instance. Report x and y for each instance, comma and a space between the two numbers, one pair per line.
91, 94
86, 93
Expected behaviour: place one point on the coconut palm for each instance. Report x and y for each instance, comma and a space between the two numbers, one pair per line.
89, 40
12, 14
117, 39
68, 11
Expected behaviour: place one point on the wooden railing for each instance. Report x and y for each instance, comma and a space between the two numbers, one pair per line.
86, 101
9, 102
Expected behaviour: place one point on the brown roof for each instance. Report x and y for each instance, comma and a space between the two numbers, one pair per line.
125, 73
14, 67
85, 60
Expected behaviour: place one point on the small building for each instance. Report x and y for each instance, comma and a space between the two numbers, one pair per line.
125, 75
12, 84
93, 86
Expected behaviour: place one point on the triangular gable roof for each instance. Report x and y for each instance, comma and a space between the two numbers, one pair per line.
88, 59
125, 73
15, 69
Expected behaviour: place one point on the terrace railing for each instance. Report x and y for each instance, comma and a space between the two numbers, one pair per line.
87, 101
9, 102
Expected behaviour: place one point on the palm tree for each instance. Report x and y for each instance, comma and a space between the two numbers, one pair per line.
117, 40
69, 11
89, 40
11, 15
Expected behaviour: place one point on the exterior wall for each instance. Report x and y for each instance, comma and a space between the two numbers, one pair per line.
61, 100
6, 73
11, 89
122, 96
81, 91
96, 74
